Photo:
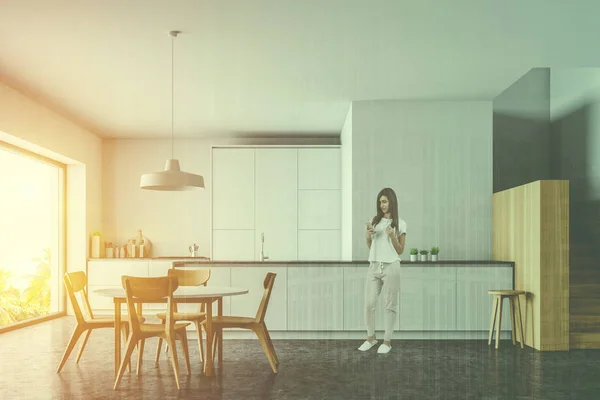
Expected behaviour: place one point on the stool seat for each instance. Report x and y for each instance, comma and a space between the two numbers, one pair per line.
515, 315
507, 292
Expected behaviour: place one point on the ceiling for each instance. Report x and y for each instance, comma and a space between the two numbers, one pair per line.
267, 67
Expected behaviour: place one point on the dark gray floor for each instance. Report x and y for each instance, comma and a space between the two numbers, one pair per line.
310, 369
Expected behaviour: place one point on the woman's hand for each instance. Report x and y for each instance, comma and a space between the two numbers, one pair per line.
369, 230
391, 232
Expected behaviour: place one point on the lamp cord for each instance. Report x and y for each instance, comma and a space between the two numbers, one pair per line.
172, 90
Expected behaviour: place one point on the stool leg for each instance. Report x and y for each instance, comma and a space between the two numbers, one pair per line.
520, 321
511, 302
493, 318
499, 321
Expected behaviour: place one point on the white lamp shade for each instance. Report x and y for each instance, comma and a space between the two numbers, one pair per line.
171, 179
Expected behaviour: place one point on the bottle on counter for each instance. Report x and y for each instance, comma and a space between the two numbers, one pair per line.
141, 250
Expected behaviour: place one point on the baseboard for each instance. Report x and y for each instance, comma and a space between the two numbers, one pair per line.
357, 335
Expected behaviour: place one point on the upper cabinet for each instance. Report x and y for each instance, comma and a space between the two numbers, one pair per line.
276, 203
290, 194
319, 168
233, 188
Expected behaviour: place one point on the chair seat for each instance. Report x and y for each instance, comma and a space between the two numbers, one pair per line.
109, 322
181, 316
226, 320
507, 292
155, 328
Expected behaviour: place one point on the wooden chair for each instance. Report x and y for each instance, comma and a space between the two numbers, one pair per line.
187, 277
256, 324
515, 314
76, 285
151, 290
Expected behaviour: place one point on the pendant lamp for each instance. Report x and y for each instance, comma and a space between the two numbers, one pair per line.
172, 178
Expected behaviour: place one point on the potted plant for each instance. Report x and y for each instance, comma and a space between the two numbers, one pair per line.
434, 253
424, 255
413, 254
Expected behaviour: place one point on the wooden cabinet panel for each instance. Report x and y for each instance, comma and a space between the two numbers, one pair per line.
319, 209
474, 304
428, 298
233, 188
319, 168
315, 298
247, 305
276, 203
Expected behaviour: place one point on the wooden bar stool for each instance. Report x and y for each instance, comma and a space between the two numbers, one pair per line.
515, 314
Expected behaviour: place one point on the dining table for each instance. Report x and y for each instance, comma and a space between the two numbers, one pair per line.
184, 294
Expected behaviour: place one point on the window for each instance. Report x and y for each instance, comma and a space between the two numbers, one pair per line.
32, 236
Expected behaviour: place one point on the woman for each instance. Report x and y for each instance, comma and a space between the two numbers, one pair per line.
385, 235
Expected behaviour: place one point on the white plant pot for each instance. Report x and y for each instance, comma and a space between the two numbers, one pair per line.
413, 257
423, 257
434, 257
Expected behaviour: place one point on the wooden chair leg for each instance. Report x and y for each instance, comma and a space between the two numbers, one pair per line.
72, 342
85, 339
174, 361
158, 347
270, 342
131, 343
493, 318
499, 322
511, 304
140, 355
520, 322
185, 349
200, 345
262, 338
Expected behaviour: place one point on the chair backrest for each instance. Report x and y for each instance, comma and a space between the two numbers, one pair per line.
76, 284
264, 303
148, 290
190, 277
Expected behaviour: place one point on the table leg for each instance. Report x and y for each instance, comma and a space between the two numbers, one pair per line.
220, 343
117, 335
208, 359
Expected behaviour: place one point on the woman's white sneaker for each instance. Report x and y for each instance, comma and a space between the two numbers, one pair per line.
383, 349
367, 345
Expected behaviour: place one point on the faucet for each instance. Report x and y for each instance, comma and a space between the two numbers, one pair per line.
262, 244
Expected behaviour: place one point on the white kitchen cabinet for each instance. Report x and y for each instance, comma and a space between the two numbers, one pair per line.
315, 298
221, 276
317, 245
354, 301
276, 203
319, 209
106, 274
428, 298
247, 305
474, 304
233, 188
319, 168
233, 245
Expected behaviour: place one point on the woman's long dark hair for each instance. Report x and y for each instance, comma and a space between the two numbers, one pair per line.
392, 207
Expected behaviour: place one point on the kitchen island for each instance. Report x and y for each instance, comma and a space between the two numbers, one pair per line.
325, 299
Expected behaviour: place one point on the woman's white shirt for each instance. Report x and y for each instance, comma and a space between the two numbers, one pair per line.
382, 249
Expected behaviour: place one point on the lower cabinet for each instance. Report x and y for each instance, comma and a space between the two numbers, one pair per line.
473, 303
427, 298
315, 298
332, 297
247, 305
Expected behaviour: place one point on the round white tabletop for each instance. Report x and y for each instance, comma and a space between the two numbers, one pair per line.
184, 291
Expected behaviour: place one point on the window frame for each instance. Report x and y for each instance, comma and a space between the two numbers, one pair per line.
62, 236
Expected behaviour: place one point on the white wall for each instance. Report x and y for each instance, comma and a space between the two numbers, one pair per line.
30, 125
170, 220
437, 156
346, 159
